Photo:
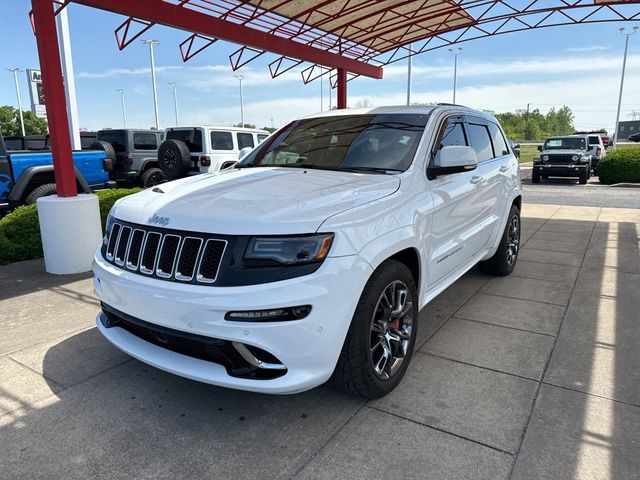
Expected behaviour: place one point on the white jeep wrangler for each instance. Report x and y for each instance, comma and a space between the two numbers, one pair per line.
189, 151
311, 259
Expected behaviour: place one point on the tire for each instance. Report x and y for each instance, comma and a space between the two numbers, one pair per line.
109, 151
582, 180
545, 177
376, 332
504, 260
174, 158
535, 177
41, 191
151, 177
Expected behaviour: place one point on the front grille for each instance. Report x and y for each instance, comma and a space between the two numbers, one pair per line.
210, 349
165, 254
560, 159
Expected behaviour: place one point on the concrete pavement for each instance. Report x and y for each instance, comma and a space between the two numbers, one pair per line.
532, 376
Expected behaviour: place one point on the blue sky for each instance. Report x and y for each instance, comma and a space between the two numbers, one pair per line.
578, 66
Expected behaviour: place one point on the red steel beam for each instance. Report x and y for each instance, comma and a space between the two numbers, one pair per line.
55, 103
171, 15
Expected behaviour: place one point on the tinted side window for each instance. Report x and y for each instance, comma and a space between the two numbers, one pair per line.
453, 134
262, 137
499, 145
245, 140
594, 141
193, 138
145, 141
115, 138
221, 141
480, 141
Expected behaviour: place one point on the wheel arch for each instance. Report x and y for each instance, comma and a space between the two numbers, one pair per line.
399, 245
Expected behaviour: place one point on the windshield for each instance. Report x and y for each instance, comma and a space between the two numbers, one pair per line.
352, 143
565, 143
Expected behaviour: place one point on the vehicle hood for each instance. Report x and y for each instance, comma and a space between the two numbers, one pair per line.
254, 200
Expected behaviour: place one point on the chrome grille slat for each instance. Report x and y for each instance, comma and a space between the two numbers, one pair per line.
150, 253
210, 260
165, 254
120, 253
135, 249
188, 258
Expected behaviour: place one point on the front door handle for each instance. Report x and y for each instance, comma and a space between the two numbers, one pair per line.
476, 179
504, 168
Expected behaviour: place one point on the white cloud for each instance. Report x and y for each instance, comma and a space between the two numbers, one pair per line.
592, 48
545, 67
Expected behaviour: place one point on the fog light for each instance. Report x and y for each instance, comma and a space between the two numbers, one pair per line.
273, 315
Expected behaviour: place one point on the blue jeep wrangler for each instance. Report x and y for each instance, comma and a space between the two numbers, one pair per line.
26, 176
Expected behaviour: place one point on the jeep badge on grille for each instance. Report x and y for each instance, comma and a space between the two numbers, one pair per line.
158, 220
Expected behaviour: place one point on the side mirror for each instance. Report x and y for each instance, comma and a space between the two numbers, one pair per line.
454, 159
539, 148
244, 152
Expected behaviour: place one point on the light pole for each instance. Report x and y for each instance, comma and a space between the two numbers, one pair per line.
409, 64
240, 77
624, 65
455, 69
124, 109
151, 43
15, 79
174, 86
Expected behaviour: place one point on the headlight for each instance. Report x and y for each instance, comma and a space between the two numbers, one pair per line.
575, 158
545, 158
294, 250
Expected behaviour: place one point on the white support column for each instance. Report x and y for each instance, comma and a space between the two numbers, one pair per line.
64, 39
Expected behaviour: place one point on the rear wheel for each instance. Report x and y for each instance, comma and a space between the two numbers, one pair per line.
41, 191
380, 340
151, 177
504, 260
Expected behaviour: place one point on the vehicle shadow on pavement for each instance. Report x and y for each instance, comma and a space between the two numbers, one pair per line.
23, 278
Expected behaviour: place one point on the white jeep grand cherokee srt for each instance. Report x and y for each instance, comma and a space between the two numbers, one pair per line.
312, 258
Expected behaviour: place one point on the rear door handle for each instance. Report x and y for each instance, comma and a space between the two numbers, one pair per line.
504, 168
476, 179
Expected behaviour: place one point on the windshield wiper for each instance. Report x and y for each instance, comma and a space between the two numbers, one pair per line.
370, 169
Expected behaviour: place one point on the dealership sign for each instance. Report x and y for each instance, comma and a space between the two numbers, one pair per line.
34, 77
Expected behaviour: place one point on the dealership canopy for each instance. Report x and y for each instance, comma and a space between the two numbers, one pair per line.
340, 38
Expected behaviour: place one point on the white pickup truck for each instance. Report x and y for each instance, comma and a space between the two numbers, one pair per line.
311, 259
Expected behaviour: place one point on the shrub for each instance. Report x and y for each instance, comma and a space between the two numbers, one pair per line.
20, 230
621, 165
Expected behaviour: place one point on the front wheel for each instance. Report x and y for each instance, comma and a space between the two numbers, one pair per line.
504, 260
582, 180
41, 191
380, 340
151, 177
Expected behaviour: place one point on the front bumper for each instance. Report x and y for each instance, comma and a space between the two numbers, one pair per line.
560, 170
308, 348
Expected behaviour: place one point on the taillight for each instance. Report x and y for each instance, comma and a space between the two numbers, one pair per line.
205, 160
598, 151
107, 164
127, 160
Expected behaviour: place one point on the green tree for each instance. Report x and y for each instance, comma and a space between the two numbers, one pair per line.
10, 122
534, 125
246, 125
269, 129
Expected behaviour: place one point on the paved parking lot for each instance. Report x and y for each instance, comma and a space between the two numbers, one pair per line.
532, 376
